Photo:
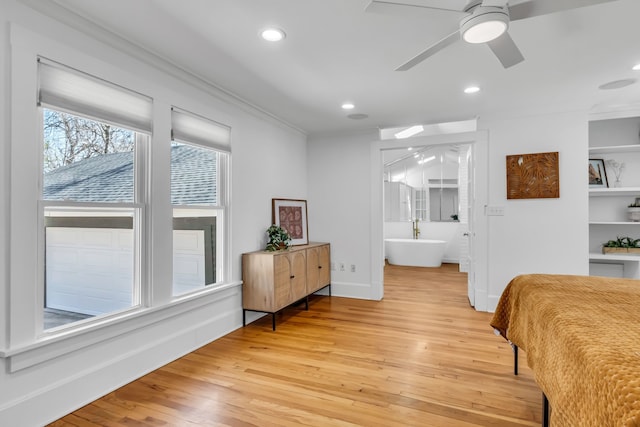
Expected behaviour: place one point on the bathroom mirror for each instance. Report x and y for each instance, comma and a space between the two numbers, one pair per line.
422, 183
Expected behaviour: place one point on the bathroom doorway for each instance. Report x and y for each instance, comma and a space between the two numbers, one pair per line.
426, 198
440, 180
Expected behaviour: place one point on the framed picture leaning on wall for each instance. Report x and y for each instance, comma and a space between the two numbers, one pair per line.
291, 215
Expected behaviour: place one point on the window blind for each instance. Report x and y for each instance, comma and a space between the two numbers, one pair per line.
67, 89
189, 127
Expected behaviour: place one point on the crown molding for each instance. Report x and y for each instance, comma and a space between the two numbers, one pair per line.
96, 31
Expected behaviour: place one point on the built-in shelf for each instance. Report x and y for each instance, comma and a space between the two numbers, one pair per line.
608, 215
595, 256
615, 149
623, 191
613, 223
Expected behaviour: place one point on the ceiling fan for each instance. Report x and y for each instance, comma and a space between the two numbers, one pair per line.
484, 21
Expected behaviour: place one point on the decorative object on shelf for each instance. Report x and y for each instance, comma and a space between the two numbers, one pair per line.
533, 176
634, 211
279, 239
617, 168
291, 215
597, 174
622, 245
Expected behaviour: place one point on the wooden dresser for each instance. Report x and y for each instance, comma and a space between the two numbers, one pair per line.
275, 280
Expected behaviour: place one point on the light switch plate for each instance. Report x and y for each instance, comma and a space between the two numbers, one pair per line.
495, 210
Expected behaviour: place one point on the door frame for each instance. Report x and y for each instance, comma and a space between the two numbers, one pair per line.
479, 176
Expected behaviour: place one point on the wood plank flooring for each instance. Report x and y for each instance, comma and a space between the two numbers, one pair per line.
419, 357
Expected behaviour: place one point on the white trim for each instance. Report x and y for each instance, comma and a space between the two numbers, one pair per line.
22, 357
369, 291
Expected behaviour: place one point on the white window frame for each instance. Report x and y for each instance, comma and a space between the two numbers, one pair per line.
65, 89
199, 131
24, 346
141, 291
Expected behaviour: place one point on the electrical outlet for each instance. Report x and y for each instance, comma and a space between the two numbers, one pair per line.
342, 266
353, 268
333, 266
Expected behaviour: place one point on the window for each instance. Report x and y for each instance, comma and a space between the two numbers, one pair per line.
93, 200
115, 235
199, 159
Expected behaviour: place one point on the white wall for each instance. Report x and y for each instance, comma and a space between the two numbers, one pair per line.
538, 235
534, 236
339, 207
41, 383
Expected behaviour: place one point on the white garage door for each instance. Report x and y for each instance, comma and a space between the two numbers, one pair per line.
90, 270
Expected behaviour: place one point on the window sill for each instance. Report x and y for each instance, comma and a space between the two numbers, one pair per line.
54, 345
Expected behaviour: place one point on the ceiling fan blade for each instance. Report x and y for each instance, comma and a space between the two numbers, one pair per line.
450, 39
506, 50
544, 7
384, 6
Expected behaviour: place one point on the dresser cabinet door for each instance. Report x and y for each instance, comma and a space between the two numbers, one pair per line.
281, 279
318, 268
298, 262
324, 267
290, 278
313, 270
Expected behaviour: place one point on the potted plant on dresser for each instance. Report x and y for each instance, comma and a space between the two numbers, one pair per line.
278, 238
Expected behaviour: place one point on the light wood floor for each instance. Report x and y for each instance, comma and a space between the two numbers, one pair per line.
420, 357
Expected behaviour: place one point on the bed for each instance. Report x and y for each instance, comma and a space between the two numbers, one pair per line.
582, 338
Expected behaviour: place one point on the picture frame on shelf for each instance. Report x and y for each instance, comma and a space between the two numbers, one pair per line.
291, 214
597, 174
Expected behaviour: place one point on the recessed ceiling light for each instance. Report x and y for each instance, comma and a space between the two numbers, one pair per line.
348, 106
358, 116
273, 34
636, 67
617, 84
472, 89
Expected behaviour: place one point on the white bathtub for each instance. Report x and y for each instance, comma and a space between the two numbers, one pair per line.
415, 252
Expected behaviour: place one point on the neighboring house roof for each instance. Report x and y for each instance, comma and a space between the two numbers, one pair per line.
109, 178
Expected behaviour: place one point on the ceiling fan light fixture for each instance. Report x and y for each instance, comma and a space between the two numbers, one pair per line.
484, 27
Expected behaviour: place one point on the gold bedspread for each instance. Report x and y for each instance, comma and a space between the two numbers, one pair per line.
582, 338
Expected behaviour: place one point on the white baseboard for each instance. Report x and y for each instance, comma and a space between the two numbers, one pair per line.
492, 303
354, 290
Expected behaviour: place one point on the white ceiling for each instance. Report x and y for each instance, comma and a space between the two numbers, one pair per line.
336, 52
